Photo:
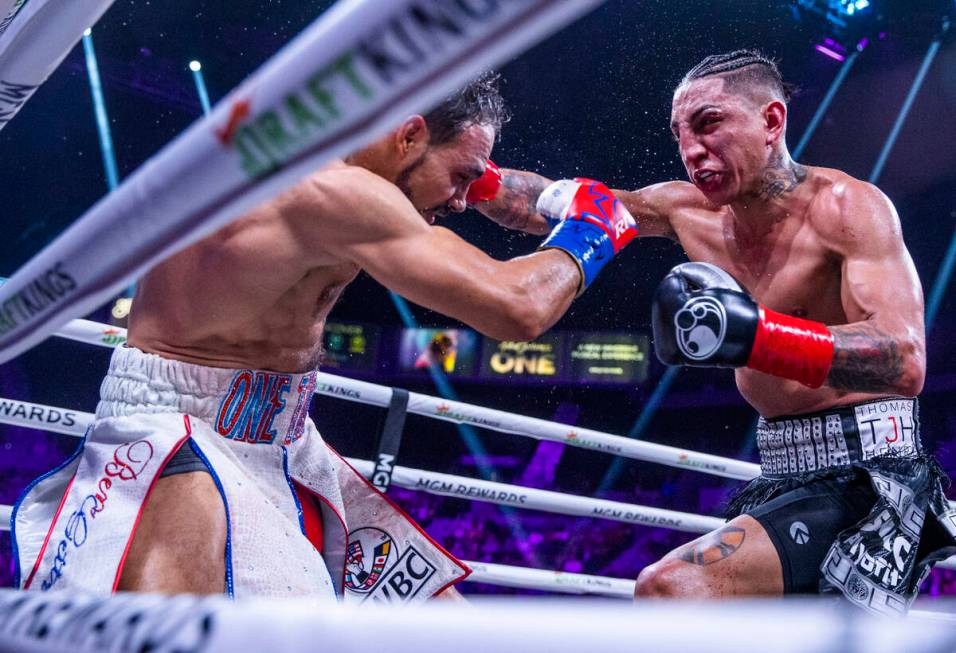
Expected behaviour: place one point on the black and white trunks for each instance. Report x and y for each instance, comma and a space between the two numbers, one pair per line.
851, 502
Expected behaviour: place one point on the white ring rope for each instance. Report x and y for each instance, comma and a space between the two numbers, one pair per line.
103, 335
357, 70
546, 500
67, 622
35, 37
540, 429
563, 582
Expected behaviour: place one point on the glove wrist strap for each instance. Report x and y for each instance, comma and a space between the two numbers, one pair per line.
792, 348
589, 246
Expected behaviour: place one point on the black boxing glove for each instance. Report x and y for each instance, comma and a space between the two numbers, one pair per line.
702, 317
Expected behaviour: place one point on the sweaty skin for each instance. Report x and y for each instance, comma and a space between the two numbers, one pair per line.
256, 295
837, 258
806, 241
810, 242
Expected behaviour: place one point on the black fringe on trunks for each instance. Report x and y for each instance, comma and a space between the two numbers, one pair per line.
761, 489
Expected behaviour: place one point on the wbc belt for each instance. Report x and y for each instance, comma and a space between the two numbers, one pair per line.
838, 437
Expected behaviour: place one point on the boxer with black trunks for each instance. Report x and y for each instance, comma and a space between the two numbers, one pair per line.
848, 500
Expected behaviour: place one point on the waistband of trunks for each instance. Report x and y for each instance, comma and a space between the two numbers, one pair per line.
838, 437
250, 405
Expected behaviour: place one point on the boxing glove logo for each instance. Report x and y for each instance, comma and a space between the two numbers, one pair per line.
700, 325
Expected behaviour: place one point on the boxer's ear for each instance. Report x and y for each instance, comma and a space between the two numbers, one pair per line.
775, 121
412, 136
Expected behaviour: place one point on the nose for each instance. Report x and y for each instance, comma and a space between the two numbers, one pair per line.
692, 149
457, 202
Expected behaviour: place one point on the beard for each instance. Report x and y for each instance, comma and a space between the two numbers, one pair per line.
402, 181
404, 185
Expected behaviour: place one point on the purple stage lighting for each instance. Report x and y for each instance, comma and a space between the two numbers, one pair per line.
836, 46
830, 53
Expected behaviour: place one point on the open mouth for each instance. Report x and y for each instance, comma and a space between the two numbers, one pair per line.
707, 179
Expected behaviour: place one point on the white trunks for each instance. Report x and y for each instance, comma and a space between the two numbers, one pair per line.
73, 526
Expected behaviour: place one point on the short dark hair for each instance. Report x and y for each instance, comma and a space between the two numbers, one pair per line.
478, 103
743, 68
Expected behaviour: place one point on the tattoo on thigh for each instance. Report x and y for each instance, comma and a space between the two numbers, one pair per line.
715, 547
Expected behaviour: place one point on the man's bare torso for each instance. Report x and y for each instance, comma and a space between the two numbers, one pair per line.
247, 296
790, 268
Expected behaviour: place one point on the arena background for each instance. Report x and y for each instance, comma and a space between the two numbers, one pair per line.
592, 100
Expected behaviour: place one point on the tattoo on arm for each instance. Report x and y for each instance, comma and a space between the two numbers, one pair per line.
864, 359
780, 178
515, 207
715, 546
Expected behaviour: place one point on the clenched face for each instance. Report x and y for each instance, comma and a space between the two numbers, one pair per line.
436, 183
723, 139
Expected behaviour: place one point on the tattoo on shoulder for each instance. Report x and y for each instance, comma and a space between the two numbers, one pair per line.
517, 200
715, 547
780, 178
864, 359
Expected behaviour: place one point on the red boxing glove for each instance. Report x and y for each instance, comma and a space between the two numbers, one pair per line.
485, 188
792, 348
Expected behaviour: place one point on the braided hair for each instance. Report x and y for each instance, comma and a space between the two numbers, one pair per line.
743, 70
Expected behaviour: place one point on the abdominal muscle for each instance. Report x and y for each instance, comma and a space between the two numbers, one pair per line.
775, 397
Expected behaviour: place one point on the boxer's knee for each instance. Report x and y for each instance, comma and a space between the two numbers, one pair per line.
180, 542
670, 577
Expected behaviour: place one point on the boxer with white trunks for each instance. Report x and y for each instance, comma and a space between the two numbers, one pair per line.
202, 472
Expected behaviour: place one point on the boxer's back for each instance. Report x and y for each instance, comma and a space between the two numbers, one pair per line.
248, 296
